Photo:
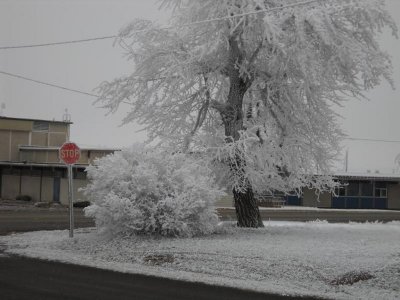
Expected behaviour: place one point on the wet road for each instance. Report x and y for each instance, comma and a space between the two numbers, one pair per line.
31, 279
45, 219
33, 220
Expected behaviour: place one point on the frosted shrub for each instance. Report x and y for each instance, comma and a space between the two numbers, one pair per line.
147, 191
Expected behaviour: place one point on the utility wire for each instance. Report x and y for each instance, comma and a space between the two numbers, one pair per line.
371, 140
166, 27
54, 85
48, 84
59, 43
252, 12
97, 96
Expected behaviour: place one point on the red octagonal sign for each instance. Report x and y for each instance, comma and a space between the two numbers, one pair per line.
69, 153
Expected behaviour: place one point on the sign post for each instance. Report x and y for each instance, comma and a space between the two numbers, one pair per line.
70, 153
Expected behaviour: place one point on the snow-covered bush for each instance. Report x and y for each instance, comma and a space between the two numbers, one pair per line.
149, 191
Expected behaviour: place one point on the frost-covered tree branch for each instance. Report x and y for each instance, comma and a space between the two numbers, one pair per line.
254, 91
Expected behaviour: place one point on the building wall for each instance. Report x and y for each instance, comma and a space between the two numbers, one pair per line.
58, 127
58, 134
40, 156
310, 199
10, 186
18, 138
47, 189
14, 133
17, 132
78, 195
88, 156
30, 185
226, 201
394, 196
23, 125
56, 139
39, 139
4, 145
52, 157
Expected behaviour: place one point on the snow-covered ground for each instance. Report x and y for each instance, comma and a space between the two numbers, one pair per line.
285, 257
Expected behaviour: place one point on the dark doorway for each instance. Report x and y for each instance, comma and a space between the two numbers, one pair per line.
56, 189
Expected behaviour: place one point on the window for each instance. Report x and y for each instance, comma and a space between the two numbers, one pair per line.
352, 189
40, 126
79, 174
367, 189
340, 191
380, 190
380, 184
380, 193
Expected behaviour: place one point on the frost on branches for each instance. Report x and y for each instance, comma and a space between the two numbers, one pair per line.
254, 88
145, 191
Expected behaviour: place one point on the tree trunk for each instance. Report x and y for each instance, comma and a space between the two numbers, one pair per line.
247, 212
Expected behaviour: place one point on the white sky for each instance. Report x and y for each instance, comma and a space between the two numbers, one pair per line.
83, 66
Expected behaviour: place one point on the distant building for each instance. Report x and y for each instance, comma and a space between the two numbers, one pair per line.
358, 191
29, 162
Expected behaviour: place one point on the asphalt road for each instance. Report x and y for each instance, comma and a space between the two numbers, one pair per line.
24, 278
45, 219
31, 279
35, 219
330, 215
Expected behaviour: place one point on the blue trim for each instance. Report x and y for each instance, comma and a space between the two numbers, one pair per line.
367, 203
293, 200
352, 203
359, 202
339, 202
380, 203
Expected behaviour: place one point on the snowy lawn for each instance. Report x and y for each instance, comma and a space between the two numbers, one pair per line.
340, 261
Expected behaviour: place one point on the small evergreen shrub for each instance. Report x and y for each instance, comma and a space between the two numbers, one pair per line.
24, 198
149, 191
81, 204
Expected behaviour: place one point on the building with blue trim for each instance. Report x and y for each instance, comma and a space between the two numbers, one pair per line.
358, 191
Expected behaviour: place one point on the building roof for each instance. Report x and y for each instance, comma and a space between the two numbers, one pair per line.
27, 119
32, 164
53, 148
367, 176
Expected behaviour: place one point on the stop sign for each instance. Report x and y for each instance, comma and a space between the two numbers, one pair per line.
69, 153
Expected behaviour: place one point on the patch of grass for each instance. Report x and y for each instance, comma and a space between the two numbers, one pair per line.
158, 259
352, 277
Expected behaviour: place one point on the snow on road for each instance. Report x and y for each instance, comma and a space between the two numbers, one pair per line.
285, 257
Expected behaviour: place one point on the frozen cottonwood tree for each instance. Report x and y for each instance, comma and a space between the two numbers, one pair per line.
254, 85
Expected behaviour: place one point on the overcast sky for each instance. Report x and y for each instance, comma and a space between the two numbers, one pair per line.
83, 66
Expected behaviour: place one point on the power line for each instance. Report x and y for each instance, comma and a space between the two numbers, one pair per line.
371, 140
166, 27
59, 43
253, 12
53, 85
48, 84
97, 96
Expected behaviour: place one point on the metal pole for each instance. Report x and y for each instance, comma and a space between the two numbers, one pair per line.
71, 201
